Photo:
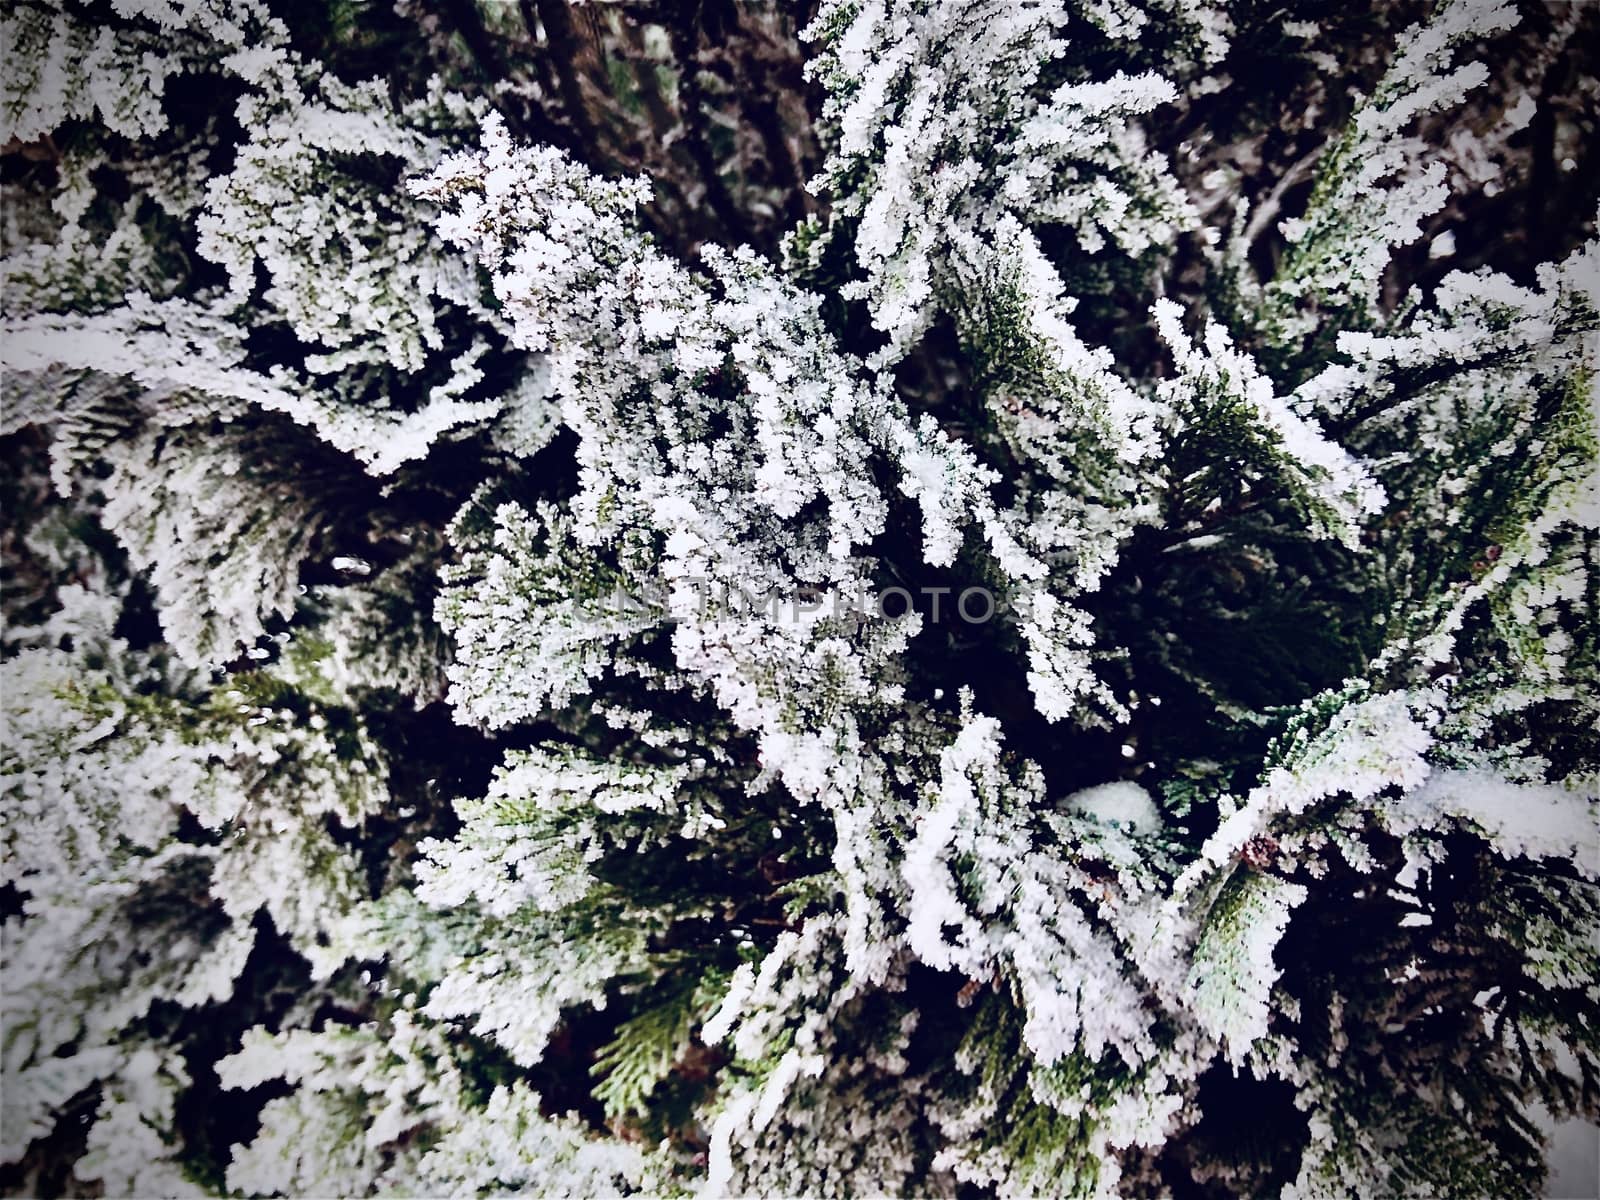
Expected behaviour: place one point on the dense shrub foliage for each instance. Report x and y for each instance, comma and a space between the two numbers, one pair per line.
912, 597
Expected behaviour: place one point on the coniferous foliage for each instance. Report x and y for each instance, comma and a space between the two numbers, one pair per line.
874, 597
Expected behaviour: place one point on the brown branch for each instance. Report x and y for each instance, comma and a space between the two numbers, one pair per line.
684, 34
566, 53
463, 15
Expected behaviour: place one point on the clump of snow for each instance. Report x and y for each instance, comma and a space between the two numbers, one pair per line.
1121, 802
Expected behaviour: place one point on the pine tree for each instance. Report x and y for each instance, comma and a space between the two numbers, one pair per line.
914, 597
